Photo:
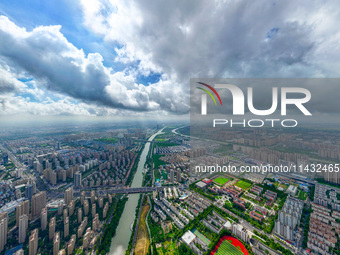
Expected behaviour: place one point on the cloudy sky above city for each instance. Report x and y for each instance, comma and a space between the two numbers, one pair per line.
136, 58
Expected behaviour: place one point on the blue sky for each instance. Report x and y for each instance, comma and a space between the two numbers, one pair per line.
136, 58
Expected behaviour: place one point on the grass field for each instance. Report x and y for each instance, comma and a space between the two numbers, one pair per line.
165, 144
303, 195
107, 140
169, 248
221, 180
156, 160
143, 242
226, 248
160, 139
243, 184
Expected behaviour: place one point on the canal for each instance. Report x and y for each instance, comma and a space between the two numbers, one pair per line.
121, 240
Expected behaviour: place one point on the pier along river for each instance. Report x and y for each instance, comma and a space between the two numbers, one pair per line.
121, 240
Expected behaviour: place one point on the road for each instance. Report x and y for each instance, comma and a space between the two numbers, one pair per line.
19, 165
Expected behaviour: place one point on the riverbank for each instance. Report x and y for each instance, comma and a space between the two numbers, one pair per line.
110, 230
120, 242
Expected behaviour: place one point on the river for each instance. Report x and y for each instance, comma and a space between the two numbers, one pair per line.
121, 240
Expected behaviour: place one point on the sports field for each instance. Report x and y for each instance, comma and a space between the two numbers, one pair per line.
243, 184
227, 248
229, 245
221, 180
201, 236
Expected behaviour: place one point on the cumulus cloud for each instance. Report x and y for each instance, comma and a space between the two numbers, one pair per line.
59, 66
177, 40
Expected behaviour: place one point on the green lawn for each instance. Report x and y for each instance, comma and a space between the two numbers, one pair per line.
165, 144
243, 184
156, 160
221, 180
226, 248
302, 195
107, 140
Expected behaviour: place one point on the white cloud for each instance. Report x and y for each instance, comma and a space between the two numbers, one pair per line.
221, 38
177, 39
57, 65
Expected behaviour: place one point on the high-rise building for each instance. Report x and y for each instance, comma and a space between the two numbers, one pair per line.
38, 203
100, 202
80, 215
77, 179
93, 196
17, 194
43, 219
179, 176
34, 187
3, 230
22, 208
66, 227
33, 242
331, 176
71, 244
93, 210
106, 208
5, 158
31, 189
60, 208
239, 231
56, 244
23, 224
65, 213
68, 196
172, 176
86, 207
86, 239
95, 222
82, 197
51, 228
71, 207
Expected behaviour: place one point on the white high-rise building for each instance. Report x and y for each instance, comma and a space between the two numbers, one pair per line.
3, 230
23, 225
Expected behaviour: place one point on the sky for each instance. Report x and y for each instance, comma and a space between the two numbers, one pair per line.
135, 58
